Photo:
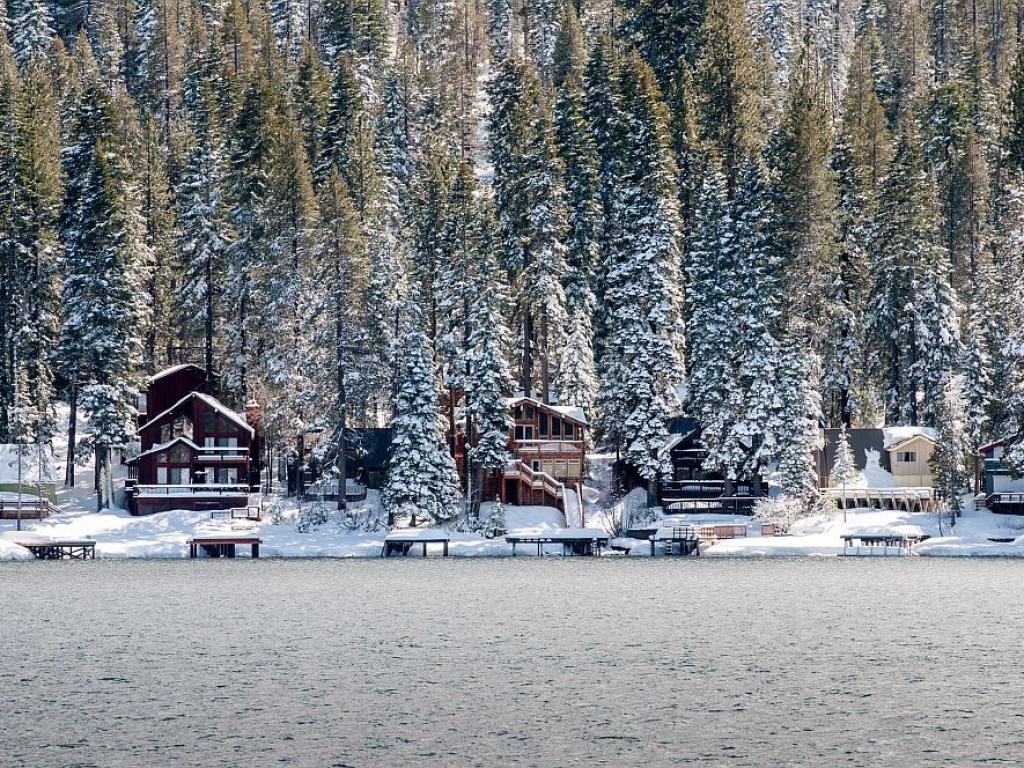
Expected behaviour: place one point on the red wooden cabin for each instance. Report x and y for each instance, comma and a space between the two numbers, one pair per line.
196, 453
548, 446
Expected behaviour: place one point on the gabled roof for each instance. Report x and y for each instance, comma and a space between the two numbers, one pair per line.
896, 437
173, 369
565, 411
213, 402
1002, 442
164, 446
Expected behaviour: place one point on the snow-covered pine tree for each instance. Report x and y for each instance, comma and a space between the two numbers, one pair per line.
643, 284
794, 423
335, 301
35, 228
713, 389
844, 468
104, 306
911, 307
202, 235
421, 482
32, 30
488, 378
530, 204
664, 31
948, 459
727, 87
249, 197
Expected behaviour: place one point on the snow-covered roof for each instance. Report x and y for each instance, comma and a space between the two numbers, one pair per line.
568, 411
894, 437
169, 371
31, 458
213, 402
168, 444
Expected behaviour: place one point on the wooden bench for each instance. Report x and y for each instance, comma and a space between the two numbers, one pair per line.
222, 546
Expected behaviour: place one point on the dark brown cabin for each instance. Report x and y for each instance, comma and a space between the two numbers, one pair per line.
196, 453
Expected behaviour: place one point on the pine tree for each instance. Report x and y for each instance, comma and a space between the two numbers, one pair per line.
31, 29
104, 306
642, 293
948, 459
249, 199
663, 31
336, 290
912, 315
421, 480
201, 233
488, 379
727, 87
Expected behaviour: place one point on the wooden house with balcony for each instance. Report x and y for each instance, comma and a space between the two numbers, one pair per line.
547, 443
196, 453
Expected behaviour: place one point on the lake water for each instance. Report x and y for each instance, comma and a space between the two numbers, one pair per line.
909, 662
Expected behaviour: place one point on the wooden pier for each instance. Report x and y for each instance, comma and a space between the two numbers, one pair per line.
222, 546
403, 540
574, 541
59, 549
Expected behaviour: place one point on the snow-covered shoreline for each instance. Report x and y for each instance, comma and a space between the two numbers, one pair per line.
118, 535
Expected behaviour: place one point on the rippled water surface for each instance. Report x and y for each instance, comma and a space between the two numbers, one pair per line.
512, 663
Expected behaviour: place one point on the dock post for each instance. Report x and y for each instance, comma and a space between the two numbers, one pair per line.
445, 544
255, 550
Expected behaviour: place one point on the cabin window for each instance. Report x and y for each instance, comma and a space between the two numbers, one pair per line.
222, 475
528, 410
906, 457
536, 465
544, 425
517, 413
172, 475
524, 432
556, 427
181, 427
568, 431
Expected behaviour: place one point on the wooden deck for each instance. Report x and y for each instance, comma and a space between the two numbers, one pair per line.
897, 499
575, 541
1005, 503
29, 510
402, 543
59, 549
222, 546
880, 543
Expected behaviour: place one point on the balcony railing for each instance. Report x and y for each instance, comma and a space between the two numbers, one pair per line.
549, 446
196, 489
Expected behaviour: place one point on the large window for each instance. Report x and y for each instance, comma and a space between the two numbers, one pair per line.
222, 475
543, 424
524, 433
906, 457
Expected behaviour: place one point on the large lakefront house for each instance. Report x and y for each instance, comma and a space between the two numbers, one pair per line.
548, 447
196, 453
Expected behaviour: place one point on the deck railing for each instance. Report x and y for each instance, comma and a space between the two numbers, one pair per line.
197, 489
27, 509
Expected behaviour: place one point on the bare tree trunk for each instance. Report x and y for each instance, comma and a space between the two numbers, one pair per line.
69, 469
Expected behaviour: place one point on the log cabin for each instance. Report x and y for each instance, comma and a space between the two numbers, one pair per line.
196, 453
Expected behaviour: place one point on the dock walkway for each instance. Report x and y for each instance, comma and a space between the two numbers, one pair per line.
59, 549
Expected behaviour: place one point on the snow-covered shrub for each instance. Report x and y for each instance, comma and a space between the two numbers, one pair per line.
782, 511
496, 523
311, 517
276, 512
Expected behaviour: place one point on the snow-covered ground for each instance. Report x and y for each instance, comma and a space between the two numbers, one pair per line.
164, 535
119, 535
823, 537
